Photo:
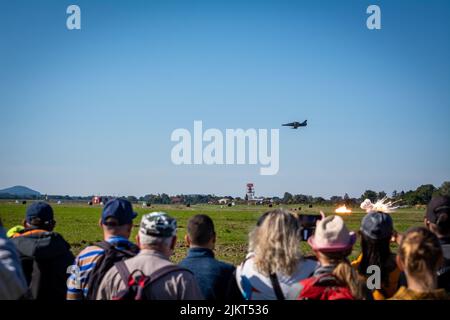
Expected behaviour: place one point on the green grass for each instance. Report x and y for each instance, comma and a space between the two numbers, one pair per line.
78, 223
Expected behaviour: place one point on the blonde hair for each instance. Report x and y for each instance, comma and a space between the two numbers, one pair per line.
276, 243
345, 274
421, 254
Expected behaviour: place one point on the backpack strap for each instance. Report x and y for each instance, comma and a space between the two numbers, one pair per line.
166, 270
324, 278
123, 271
105, 245
276, 286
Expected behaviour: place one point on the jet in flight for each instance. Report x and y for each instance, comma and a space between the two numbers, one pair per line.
296, 124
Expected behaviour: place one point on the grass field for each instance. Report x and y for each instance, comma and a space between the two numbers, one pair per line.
78, 223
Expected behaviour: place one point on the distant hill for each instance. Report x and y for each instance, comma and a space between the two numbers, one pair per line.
20, 191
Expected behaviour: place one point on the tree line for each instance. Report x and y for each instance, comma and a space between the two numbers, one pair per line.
422, 195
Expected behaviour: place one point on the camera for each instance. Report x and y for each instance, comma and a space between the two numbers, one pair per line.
308, 225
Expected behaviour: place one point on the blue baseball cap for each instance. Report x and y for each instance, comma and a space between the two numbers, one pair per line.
40, 210
120, 209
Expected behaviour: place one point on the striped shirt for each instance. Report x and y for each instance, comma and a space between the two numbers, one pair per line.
84, 264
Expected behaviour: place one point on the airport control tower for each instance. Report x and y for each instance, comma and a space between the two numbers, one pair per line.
250, 195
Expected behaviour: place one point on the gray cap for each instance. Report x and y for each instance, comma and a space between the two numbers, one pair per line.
377, 225
158, 224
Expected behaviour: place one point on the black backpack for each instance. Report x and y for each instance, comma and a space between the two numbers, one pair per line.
111, 256
45, 257
136, 282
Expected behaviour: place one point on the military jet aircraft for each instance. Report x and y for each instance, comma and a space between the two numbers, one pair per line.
296, 124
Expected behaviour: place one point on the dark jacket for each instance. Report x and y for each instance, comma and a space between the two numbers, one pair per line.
45, 257
444, 272
215, 278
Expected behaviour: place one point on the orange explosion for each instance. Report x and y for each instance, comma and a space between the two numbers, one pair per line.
343, 210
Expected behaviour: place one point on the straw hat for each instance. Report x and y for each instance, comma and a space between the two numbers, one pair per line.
332, 235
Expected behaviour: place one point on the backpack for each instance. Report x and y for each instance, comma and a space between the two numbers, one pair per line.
44, 257
111, 256
136, 282
324, 287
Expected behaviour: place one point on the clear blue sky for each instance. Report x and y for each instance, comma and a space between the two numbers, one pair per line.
91, 111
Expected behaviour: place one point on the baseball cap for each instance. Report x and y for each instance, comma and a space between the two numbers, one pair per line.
40, 210
158, 224
377, 225
437, 205
332, 235
120, 209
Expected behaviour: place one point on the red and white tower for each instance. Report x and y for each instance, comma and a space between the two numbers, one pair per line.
250, 195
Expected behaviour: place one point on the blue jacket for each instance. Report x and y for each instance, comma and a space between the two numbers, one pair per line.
12, 281
214, 277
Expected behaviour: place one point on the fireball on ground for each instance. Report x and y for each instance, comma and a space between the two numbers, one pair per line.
343, 210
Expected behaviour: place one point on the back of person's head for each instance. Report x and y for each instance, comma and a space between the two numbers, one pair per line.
376, 252
420, 253
345, 273
112, 227
157, 231
376, 229
438, 215
377, 226
333, 242
117, 217
200, 229
276, 243
40, 215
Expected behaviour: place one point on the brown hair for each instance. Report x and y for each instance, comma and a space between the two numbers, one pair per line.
200, 229
39, 223
421, 254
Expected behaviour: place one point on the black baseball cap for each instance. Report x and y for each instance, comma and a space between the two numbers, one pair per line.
40, 210
437, 205
120, 209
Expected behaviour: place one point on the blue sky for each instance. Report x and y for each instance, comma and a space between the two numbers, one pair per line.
91, 111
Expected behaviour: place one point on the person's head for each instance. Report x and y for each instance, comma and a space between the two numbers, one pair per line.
420, 256
437, 218
39, 215
158, 231
377, 229
276, 243
200, 232
332, 240
252, 235
117, 218
332, 243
